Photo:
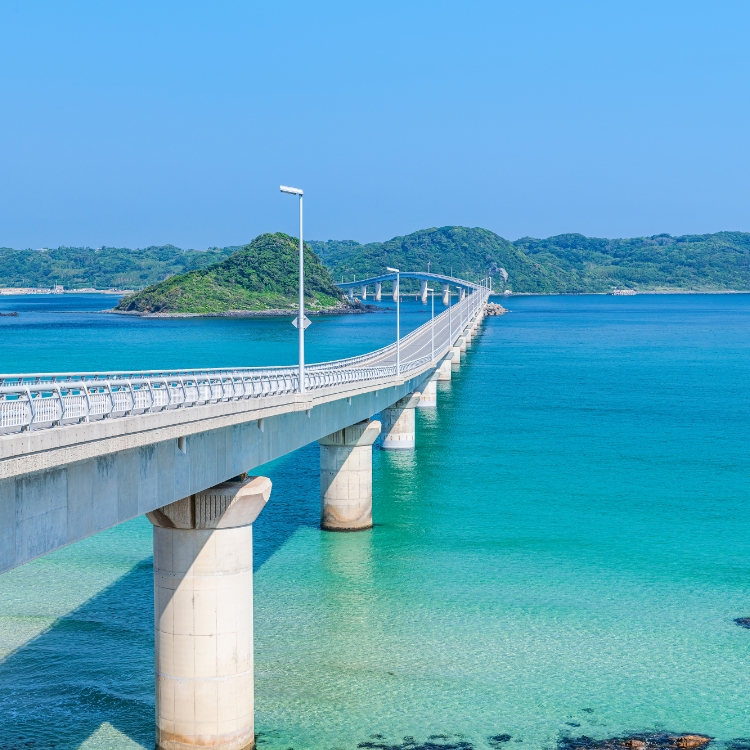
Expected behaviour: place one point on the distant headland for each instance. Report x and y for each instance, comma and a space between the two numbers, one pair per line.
191, 281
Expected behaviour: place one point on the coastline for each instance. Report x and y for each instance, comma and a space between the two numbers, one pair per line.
339, 310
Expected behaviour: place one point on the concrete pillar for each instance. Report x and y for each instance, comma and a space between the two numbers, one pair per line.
446, 294
346, 477
461, 343
378, 290
461, 294
364, 292
456, 351
399, 423
395, 290
350, 292
203, 624
467, 336
423, 291
444, 371
429, 393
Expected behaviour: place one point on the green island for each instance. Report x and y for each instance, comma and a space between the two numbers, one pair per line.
261, 277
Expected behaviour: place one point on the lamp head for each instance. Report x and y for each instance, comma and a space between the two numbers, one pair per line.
392, 270
293, 191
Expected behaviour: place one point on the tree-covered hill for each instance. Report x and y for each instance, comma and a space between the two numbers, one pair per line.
567, 263
464, 252
103, 268
706, 262
261, 276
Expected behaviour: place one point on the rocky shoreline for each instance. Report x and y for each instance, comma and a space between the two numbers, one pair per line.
350, 308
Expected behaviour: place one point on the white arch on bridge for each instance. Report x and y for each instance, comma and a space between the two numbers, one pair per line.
445, 281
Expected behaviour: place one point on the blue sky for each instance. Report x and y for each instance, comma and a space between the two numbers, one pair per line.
142, 123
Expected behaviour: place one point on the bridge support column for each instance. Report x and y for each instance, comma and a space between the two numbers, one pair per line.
350, 292
429, 393
378, 290
467, 335
203, 624
399, 423
395, 290
364, 292
461, 344
446, 294
456, 351
444, 371
423, 291
346, 477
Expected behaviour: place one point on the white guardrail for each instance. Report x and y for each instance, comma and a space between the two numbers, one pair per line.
42, 400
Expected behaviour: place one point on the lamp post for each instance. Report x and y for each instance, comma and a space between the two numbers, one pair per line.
398, 317
432, 323
301, 318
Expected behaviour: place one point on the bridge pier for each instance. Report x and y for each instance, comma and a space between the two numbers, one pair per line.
423, 291
364, 292
203, 624
395, 290
399, 423
456, 351
346, 477
444, 371
429, 393
446, 294
461, 294
378, 290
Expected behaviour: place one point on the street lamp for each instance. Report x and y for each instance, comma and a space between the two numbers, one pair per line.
301, 318
398, 317
432, 324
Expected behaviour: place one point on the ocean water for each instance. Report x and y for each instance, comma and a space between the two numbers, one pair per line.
564, 553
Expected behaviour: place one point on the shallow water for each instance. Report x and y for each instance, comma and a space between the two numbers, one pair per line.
568, 544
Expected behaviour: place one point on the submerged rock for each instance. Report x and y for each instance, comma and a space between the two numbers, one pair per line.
743, 622
639, 741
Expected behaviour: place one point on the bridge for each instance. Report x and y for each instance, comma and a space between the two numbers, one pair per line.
82, 452
446, 282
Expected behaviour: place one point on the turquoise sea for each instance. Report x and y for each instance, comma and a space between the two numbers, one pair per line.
564, 553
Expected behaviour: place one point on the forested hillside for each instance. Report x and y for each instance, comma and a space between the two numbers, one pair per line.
263, 275
104, 268
466, 253
567, 263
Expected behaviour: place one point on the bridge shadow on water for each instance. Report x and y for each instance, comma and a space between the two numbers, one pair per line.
92, 670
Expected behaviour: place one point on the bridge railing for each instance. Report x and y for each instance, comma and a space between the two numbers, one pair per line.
48, 400
43, 404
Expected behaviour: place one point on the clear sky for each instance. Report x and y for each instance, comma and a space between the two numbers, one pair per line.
138, 123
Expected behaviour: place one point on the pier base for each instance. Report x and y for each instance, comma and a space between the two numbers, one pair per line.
456, 351
399, 423
444, 371
346, 477
429, 393
203, 625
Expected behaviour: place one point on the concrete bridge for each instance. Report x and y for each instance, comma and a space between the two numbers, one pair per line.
82, 452
446, 282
